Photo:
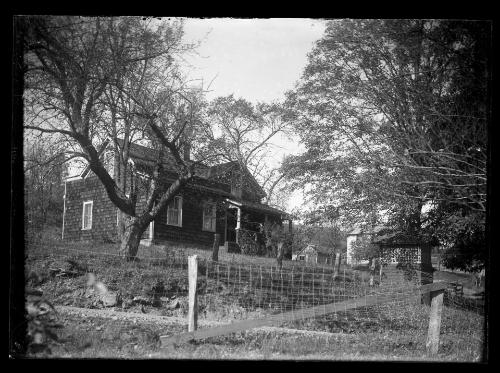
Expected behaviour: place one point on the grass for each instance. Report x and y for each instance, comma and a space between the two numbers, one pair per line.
392, 331
95, 337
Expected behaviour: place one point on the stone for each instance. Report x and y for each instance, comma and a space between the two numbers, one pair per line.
110, 299
141, 300
174, 304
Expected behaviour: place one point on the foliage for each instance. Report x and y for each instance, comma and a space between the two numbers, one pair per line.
42, 325
248, 242
363, 249
393, 115
42, 186
464, 243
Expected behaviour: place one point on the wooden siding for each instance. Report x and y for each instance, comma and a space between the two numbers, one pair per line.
103, 211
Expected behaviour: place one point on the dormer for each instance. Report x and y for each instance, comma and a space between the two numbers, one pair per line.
73, 168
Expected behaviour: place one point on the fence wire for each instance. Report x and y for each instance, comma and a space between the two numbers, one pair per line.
297, 296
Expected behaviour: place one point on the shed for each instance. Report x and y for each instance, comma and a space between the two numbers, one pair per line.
399, 249
315, 254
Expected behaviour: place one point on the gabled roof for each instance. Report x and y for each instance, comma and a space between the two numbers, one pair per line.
145, 158
224, 168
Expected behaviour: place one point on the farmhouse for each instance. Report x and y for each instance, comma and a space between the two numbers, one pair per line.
314, 254
223, 199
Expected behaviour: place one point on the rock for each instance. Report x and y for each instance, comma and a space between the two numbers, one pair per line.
110, 299
141, 300
174, 304
127, 303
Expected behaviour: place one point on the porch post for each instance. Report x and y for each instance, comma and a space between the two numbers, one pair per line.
238, 223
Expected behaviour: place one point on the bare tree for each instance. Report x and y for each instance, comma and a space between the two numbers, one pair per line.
243, 133
81, 83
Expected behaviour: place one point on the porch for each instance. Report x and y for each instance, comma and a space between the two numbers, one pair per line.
250, 217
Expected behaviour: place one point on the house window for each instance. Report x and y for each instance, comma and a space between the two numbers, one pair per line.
174, 212
209, 216
302, 257
87, 215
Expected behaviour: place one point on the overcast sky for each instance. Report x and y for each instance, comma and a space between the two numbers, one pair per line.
255, 59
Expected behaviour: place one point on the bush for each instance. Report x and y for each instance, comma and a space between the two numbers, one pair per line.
248, 242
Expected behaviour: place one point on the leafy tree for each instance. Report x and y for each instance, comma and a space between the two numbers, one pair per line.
364, 249
393, 115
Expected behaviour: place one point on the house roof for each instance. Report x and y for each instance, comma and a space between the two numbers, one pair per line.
374, 230
223, 168
145, 158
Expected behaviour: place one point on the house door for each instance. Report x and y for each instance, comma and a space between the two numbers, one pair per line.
231, 221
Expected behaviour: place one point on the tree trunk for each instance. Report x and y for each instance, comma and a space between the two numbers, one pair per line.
131, 238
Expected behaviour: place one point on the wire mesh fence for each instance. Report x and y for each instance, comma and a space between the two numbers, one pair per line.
297, 296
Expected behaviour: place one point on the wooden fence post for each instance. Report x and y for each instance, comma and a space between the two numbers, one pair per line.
336, 265
380, 273
432, 344
193, 301
215, 249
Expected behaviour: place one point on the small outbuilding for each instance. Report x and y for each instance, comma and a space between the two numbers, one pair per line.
400, 251
400, 248
314, 254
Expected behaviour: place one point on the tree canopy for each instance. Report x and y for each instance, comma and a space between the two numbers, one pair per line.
393, 114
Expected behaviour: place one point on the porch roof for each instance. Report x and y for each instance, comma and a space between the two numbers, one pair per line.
258, 207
